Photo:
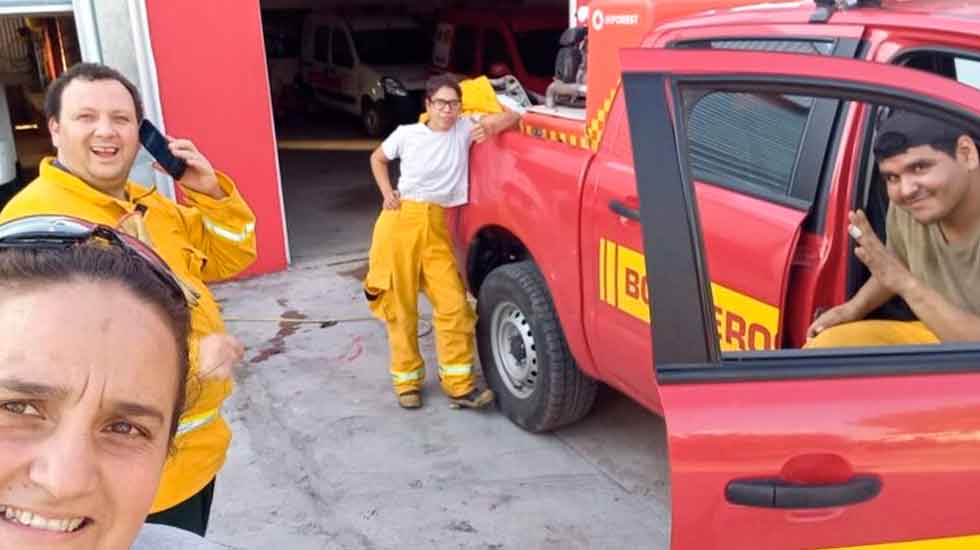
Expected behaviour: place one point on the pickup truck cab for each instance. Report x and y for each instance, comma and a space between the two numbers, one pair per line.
373, 67
706, 189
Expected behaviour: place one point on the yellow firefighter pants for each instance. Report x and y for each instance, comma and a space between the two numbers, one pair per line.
411, 251
873, 332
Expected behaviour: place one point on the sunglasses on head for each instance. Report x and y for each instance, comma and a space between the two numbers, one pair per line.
64, 232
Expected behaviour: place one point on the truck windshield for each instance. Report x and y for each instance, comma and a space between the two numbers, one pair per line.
538, 49
393, 47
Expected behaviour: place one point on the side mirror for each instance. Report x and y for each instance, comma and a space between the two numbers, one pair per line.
498, 70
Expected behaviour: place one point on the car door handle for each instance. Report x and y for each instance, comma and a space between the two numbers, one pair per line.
620, 208
775, 493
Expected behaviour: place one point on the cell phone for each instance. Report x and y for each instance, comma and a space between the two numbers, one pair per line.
157, 145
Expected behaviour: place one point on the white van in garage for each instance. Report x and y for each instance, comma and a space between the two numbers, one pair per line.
371, 66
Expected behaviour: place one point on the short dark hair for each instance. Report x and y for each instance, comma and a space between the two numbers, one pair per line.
902, 130
31, 268
90, 72
440, 81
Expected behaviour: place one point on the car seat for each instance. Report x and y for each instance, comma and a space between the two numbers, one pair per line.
568, 87
570, 63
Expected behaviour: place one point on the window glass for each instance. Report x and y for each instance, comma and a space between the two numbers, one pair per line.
968, 71
748, 141
494, 50
342, 55
961, 68
406, 46
538, 50
464, 49
321, 46
816, 47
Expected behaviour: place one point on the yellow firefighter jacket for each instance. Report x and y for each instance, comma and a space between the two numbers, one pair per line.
208, 240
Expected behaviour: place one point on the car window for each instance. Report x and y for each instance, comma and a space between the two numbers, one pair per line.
968, 71
817, 47
495, 49
342, 56
750, 142
464, 49
964, 68
406, 46
747, 141
321, 46
538, 50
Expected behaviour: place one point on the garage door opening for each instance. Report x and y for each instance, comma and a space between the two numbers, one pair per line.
33, 52
342, 78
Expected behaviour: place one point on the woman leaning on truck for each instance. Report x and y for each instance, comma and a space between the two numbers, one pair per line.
411, 249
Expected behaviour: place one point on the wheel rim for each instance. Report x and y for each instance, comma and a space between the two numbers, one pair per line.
514, 352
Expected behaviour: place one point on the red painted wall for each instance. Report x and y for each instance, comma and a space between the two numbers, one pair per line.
214, 86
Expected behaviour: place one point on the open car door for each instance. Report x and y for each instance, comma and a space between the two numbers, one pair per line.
872, 448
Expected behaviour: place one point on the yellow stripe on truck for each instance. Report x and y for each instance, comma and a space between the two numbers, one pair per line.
955, 543
743, 323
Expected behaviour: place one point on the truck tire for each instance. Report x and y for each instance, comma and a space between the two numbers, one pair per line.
525, 358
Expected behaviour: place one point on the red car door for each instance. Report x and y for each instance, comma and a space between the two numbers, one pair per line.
872, 448
743, 170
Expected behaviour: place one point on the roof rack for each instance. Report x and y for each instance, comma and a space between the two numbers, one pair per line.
826, 8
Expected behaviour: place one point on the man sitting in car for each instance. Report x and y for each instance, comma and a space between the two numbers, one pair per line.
932, 259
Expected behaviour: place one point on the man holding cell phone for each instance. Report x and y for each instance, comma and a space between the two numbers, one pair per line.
94, 116
931, 171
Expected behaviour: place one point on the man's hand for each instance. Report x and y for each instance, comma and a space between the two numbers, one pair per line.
218, 354
490, 125
392, 201
200, 174
480, 132
837, 315
881, 262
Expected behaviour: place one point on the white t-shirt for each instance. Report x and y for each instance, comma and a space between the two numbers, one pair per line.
434, 165
164, 537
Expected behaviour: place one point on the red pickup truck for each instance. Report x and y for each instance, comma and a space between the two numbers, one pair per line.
706, 187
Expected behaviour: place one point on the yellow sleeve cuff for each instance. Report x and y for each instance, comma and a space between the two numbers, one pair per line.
205, 201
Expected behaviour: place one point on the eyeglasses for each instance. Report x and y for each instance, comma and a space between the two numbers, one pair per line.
443, 104
64, 232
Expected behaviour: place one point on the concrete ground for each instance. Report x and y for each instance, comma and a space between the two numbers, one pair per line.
324, 458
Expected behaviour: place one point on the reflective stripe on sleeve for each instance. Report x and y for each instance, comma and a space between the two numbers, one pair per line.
191, 423
229, 234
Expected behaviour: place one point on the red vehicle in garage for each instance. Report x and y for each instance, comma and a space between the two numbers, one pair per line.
520, 42
706, 187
